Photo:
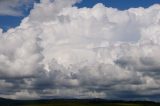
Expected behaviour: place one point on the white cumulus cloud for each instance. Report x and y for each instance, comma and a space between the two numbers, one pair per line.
60, 50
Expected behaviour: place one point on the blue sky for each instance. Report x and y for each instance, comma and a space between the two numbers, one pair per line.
120, 4
7, 21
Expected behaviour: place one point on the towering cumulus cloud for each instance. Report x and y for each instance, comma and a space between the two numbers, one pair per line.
61, 51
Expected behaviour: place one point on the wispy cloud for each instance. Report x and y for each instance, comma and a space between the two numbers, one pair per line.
13, 7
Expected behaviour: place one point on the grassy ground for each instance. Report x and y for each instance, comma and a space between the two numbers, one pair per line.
83, 104
89, 104
74, 103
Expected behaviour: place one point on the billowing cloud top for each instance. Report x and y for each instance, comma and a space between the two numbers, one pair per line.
60, 50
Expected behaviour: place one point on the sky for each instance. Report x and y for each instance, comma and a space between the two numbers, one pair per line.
70, 49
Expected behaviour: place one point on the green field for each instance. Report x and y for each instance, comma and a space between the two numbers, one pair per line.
85, 104
74, 102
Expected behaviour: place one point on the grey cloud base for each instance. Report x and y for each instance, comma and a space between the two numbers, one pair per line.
61, 51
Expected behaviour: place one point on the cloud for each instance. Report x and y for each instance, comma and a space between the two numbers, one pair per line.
60, 50
13, 7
